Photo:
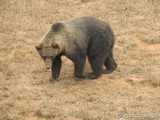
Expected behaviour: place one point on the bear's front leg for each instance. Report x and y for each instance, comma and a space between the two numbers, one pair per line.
56, 67
79, 62
97, 65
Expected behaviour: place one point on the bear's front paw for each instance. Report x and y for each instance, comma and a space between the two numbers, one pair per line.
52, 79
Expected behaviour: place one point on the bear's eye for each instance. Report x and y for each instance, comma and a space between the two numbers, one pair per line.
44, 57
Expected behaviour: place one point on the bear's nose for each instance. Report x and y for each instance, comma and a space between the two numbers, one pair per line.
47, 67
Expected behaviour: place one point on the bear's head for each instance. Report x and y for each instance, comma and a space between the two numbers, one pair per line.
51, 45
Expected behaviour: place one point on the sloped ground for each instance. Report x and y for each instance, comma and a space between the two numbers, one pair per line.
133, 88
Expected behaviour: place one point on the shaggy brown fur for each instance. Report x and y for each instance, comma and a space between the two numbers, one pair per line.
77, 39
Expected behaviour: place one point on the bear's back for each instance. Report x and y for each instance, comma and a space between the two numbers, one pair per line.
86, 33
90, 23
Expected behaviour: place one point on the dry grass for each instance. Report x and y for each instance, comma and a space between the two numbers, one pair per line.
133, 88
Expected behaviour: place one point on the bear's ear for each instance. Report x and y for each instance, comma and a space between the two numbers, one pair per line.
38, 46
55, 45
57, 26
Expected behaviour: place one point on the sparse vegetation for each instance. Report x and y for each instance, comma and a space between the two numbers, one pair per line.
25, 92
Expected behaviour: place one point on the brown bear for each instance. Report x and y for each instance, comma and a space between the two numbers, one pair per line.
77, 39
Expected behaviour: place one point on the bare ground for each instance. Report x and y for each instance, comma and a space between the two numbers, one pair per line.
134, 88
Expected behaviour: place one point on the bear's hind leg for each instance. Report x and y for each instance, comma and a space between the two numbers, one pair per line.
110, 64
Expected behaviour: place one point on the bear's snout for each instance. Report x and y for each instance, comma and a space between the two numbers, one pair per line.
48, 63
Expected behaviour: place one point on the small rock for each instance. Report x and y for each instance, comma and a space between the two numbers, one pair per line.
130, 81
